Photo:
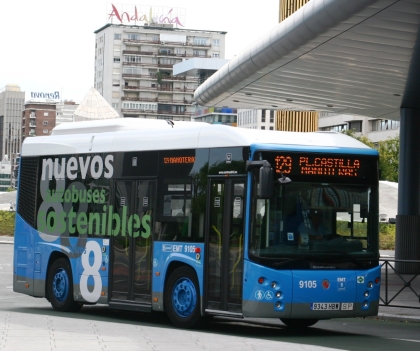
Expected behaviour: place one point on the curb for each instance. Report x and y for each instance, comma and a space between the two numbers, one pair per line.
395, 318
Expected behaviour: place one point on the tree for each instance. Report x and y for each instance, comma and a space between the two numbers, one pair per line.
389, 151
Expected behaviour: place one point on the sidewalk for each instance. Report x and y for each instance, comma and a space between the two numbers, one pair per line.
6, 239
385, 312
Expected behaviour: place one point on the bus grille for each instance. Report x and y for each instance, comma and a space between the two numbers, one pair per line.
27, 189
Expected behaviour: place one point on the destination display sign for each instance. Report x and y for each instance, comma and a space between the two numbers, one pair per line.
338, 166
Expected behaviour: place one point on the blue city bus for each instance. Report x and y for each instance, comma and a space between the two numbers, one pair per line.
199, 220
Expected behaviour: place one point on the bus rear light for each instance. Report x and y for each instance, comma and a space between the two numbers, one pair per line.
197, 250
260, 280
377, 280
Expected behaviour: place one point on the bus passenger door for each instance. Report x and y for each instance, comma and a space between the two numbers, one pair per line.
131, 244
224, 242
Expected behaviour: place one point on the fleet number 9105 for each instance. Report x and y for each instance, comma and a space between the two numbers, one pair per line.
307, 284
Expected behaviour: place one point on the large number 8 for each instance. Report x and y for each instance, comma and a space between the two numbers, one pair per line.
91, 270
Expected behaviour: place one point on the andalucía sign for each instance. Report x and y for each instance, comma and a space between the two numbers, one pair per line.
140, 14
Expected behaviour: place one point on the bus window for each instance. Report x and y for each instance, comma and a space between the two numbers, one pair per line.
175, 219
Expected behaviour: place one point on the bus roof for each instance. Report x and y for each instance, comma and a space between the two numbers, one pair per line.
137, 134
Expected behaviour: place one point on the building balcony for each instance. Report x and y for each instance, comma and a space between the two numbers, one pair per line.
176, 90
167, 89
130, 111
140, 53
32, 116
145, 64
140, 42
138, 76
164, 43
172, 54
133, 112
135, 88
162, 54
171, 113
159, 100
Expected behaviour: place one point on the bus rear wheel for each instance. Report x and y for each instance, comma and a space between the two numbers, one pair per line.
182, 298
60, 287
299, 323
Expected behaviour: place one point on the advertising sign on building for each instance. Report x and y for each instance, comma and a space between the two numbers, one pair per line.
54, 95
142, 14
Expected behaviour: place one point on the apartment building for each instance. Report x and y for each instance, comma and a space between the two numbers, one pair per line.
256, 119
11, 105
134, 68
65, 111
38, 118
375, 129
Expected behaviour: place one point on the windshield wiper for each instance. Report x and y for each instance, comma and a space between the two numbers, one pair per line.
279, 264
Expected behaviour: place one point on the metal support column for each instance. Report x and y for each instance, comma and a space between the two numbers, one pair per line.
407, 245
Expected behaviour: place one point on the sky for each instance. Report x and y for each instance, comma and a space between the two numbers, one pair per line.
49, 45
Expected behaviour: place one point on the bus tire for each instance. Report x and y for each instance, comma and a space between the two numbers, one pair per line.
299, 323
60, 287
182, 298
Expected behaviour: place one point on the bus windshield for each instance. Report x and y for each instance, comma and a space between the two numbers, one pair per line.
318, 220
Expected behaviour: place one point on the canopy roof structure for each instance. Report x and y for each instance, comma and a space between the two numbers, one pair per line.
355, 57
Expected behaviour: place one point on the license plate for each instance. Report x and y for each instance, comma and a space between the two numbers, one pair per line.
325, 306
347, 306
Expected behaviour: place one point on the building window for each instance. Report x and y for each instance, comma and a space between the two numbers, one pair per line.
216, 42
45, 113
117, 48
132, 70
132, 58
263, 127
115, 94
271, 128
132, 36
115, 105
263, 116
215, 54
117, 60
271, 116
200, 41
199, 53
356, 126
45, 131
117, 36
45, 123
337, 129
384, 124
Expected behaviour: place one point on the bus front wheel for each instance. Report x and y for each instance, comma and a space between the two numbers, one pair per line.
299, 323
60, 287
182, 298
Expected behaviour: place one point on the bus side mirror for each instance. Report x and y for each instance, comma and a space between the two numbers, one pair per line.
265, 186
